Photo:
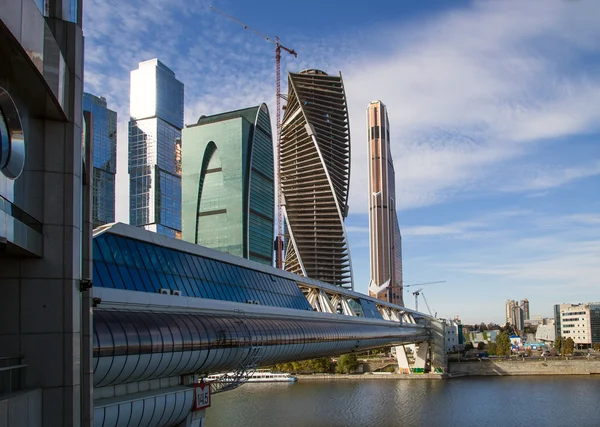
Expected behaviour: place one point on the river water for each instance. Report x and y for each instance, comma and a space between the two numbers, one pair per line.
483, 402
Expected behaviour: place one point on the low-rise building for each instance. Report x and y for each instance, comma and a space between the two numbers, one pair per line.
580, 322
483, 336
454, 335
545, 333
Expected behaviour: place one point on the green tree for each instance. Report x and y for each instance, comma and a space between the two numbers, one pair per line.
597, 346
558, 344
491, 348
319, 365
480, 345
568, 346
347, 364
508, 328
503, 343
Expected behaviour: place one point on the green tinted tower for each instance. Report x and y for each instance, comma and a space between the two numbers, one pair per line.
227, 183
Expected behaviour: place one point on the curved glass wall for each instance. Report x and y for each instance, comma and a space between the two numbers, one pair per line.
227, 183
124, 263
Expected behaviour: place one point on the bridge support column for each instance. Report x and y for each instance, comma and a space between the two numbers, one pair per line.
439, 359
402, 359
421, 355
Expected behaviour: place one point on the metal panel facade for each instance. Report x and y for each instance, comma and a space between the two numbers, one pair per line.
315, 173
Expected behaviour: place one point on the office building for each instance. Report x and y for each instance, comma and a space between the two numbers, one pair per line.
315, 174
227, 183
104, 125
595, 322
557, 329
385, 240
156, 109
524, 304
514, 314
45, 217
581, 322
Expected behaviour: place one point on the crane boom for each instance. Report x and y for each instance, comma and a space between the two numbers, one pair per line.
424, 299
425, 283
278, 192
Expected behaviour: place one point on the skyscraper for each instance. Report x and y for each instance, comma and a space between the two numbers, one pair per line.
525, 307
105, 159
227, 183
315, 174
156, 107
515, 314
385, 240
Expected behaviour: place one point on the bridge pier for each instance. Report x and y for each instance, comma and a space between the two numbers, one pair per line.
432, 350
402, 359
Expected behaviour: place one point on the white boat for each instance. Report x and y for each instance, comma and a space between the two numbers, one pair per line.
258, 376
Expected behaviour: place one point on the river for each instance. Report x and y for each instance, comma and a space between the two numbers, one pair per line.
477, 401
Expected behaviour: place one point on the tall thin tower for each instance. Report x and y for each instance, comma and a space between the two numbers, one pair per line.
384, 233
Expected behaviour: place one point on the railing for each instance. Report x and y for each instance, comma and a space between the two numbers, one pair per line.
10, 374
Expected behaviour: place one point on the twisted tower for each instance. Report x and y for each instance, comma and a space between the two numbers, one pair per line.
315, 174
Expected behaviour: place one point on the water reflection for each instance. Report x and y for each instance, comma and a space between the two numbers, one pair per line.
481, 402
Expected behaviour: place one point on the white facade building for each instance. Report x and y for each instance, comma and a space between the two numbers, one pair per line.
575, 323
452, 335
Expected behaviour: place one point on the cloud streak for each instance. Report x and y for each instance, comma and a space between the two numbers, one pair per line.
468, 90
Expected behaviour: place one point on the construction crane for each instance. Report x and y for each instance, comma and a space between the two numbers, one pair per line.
424, 283
420, 292
278, 192
416, 294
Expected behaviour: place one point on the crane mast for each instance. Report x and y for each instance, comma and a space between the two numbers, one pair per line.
277, 160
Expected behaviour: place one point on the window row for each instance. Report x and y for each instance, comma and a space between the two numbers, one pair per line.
131, 253
129, 278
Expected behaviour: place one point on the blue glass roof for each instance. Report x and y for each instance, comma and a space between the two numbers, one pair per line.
124, 263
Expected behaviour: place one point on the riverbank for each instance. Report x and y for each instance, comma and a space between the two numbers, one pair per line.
370, 376
549, 366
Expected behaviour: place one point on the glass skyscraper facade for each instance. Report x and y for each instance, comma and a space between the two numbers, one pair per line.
105, 159
156, 109
228, 185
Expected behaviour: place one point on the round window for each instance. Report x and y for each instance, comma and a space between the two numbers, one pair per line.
4, 141
12, 154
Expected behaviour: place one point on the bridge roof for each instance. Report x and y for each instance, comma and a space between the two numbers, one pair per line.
286, 283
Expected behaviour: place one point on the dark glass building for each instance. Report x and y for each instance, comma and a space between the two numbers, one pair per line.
227, 183
595, 323
104, 159
156, 107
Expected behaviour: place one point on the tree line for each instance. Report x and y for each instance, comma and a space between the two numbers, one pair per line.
345, 364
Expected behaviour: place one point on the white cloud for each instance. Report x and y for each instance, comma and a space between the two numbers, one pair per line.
542, 179
471, 90
467, 90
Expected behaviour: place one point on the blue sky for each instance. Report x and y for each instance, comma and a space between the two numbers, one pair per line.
494, 112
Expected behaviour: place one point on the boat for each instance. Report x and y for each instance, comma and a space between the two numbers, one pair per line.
258, 376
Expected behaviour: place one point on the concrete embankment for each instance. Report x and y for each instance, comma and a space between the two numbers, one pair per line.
370, 376
525, 367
